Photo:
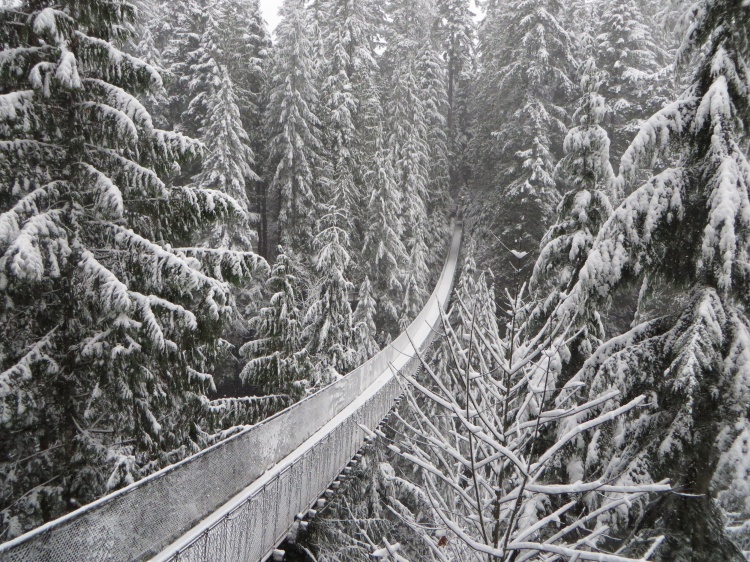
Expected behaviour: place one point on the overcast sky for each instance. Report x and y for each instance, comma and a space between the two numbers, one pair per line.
270, 9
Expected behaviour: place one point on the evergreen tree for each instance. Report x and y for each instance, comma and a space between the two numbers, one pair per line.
378, 514
687, 231
634, 86
276, 359
146, 47
227, 167
189, 36
416, 134
585, 175
363, 321
106, 330
200, 74
383, 249
328, 320
408, 139
409, 130
210, 49
415, 292
247, 47
580, 19
246, 44
456, 34
293, 129
349, 94
435, 101
527, 60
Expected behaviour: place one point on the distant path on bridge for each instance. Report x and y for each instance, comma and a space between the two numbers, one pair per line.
237, 500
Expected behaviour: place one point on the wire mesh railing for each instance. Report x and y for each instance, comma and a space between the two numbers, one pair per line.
237, 499
252, 529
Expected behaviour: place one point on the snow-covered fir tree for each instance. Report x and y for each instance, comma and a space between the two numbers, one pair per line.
197, 42
585, 175
418, 105
635, 84
435, 100
293, 130
383, 248
276, 358
378, 514
685, 231
148, 46
409, 134
528, 63
328, 320
246, 44
200, 71
189, 36
106, 330
214, 109
455, 30
414, 288
228, 165
580, 19
349, 92
363, 322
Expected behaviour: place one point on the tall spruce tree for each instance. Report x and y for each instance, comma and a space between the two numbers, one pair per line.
363, 322
408, 140
383, 248
455, 30
585, 175
246, 44
191, 38
409, 136
328, 320
635, 85
293, 129
415, 292
686, 230
527, 64
434, 96
276, 358
214, 55
106, 331
228, 166
148, 46
350, 95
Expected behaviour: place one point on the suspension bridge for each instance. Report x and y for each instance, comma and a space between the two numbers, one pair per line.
238, 499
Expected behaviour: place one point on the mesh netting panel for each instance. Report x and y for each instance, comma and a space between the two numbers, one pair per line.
296, 489
141, 520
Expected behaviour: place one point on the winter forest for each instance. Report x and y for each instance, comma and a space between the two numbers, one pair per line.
204, 221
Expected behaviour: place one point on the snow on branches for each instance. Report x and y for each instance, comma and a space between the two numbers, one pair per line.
481, 429
106, 331
683, 235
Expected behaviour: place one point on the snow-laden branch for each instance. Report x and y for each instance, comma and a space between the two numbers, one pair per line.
479, 423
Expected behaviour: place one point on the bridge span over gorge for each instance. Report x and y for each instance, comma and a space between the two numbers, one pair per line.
237, 500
